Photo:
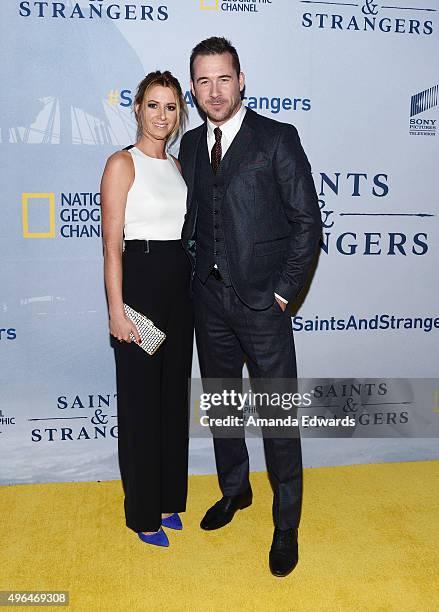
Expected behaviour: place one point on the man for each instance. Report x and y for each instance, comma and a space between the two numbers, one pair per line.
251, 231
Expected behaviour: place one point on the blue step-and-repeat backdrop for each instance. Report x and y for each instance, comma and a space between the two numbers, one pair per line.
360, 82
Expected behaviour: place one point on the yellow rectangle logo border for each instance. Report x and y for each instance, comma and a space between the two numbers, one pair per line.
213, 7
25, 197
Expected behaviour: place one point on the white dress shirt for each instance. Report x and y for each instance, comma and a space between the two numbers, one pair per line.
229, 129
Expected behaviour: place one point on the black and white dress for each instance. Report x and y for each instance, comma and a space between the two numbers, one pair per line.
152, 391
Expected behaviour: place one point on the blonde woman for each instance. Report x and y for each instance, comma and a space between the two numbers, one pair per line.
143, 199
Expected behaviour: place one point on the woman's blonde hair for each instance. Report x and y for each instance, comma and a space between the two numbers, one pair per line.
165, 79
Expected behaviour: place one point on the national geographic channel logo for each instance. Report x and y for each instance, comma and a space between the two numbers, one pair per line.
68, 215
238, 6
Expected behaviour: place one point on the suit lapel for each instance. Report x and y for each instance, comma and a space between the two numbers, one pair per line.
190, 177
241, 146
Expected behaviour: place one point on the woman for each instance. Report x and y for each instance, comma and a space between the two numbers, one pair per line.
143, 199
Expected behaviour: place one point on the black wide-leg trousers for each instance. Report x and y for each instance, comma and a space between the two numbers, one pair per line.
227, 332
152, 391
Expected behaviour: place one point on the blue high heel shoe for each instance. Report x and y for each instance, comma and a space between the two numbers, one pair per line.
158, 539
173, 521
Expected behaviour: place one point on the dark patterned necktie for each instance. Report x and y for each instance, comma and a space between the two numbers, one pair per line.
215, 157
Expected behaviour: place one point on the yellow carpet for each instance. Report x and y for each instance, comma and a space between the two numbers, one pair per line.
369, 540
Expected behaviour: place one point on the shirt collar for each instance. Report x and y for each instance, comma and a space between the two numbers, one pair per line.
230, 127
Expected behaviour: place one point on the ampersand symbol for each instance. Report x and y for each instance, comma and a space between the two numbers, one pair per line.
98, 419
350, 406
369, 8
326, 213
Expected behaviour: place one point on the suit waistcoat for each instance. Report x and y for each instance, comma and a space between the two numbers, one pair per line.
209, 192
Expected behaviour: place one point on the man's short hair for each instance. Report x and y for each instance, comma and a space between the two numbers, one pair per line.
216, 45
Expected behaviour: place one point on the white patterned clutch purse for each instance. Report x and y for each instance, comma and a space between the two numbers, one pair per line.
152, 337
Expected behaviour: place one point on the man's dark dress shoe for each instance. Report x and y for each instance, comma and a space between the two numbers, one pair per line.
224, 510
284, 552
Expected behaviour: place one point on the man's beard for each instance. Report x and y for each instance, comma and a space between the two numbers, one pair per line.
229, 112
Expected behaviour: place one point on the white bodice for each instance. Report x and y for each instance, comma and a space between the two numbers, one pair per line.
156, 201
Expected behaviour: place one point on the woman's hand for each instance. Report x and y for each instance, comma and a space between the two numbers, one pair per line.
121, 327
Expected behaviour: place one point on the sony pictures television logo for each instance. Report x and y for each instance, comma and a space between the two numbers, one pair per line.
369, 16
421, 104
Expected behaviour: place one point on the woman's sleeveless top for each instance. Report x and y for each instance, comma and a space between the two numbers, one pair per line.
156, 201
